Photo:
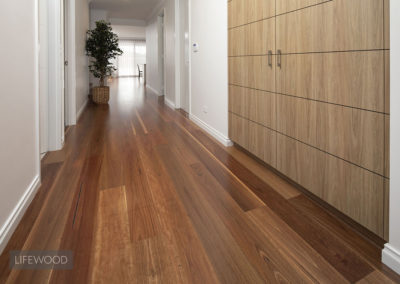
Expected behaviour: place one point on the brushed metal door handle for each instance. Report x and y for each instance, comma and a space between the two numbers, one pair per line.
270, 58
279, 59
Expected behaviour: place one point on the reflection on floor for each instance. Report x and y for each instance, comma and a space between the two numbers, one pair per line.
141, 194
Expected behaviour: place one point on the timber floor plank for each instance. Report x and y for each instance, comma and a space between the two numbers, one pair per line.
140, 194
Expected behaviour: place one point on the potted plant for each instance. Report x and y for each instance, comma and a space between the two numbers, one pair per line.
101, 47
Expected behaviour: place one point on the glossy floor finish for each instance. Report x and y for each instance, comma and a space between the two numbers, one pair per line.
141, 194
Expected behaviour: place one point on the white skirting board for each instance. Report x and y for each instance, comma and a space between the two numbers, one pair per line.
212, 131
80, 111
391, 257
152, 89
15, 217
169, 103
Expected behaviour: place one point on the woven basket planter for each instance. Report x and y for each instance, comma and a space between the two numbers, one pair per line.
101, 95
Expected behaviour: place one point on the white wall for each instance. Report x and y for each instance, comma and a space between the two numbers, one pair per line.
152, 64
391, 253
209, 66
97, 15
82, 71
152, 36
130, 32
19, 146
43, 75
184, 54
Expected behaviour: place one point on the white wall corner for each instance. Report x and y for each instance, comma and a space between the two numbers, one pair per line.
80, 111
16, 215
391, 252
212, 131
391, 257
169, 103
152, 89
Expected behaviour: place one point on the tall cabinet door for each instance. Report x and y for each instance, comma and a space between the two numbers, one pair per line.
252, 63
332, 26
331, 102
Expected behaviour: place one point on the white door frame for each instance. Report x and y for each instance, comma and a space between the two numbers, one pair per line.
185, 52
178, 23
163, 83
71, 115
56, 72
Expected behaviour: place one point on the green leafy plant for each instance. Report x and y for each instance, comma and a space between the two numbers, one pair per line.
102, 46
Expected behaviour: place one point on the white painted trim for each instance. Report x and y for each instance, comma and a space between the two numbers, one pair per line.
56, 70
72, 115
80, 111
37, 90
190, 54
177, 21
16, 215
156, 11
212, 131
152, 89
169, 103
391, 257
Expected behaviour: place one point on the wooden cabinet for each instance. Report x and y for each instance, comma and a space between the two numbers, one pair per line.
297, 118
253, 39
309, 95
354, 191
239, 130
285, 6
262, 143
355, 135
354, 79
241, 12
252, 72
254, 105
339, 25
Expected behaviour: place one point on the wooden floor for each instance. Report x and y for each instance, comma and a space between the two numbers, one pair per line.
140, 194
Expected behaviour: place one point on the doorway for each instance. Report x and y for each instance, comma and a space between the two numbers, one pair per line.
43, 78
161, 53
185, 53
65, 108
56, 96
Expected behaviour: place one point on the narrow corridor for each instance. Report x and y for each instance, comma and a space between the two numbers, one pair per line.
141, 194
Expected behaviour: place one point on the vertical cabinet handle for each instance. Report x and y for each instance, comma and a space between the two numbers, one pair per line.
279, 59
270, 58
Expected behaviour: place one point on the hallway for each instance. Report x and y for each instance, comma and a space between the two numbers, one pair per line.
141, 194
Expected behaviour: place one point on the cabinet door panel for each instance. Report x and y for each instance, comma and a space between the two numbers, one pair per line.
261, 76
238, 101
352, 190
237, 13
353, 79
261, 37
253, 72
262, 108
387, 146
301, 163
352, 134
284, 6
387, 81
297, 118
239, 130
246, 11
260, 9
387, 23
262, 143
252, 39
332, 26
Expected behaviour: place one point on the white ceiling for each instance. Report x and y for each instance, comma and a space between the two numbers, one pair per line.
126, 9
